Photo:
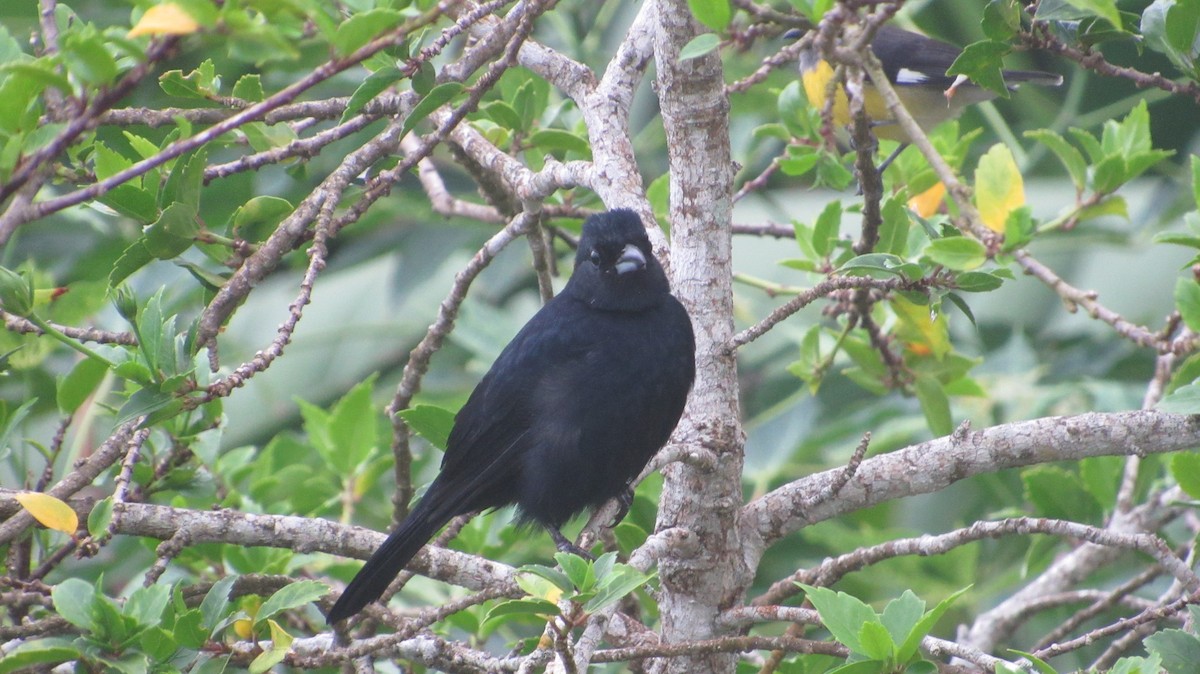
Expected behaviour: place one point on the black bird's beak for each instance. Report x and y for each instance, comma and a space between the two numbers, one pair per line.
632, 259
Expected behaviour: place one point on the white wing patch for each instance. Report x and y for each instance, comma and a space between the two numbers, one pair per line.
907, 76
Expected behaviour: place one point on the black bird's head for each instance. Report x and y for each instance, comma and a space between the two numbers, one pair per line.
615, 268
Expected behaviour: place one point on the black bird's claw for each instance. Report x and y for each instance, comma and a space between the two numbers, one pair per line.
624, 500
565, 545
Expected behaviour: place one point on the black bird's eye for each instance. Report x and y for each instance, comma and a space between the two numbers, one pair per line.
596, 257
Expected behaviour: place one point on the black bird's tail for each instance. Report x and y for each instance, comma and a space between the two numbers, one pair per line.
383, 566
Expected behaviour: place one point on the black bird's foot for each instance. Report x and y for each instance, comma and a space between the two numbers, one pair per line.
624, 502
564, 545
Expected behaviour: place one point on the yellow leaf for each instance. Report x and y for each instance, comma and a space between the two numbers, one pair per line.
165, 19
927, 203
920, 332
53, 513
999, 189
281, 643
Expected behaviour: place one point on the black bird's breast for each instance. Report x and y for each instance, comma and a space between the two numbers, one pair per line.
603, 406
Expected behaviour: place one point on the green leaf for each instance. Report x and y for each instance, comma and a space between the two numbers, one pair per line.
361, 28
75, 599
959, 253
539, 608
430, 422
1041, 665
1018, 228
168, 236
257, 219
901, 615
1131, 665
215, 603
100, 517
87, 58
861, 667
1183, 31
617, 585
1105, 9
714, 14
146, 604
502, 113
842, 614
983, 63
186, 181
159, 644
1071, 159
1183, 400
352, 427
136, 371
1180, 651
1101, 477
1059, 494
1001, 19
977, 281
291, 596
935, 404
144, 402
796, 114
440, 95
16, 292
543, 582
1196, 179
371, 87
577, 569
699, 46
1177, 238
187, 630
133, 202
1185, 467
1110, 205
1187, 300
893, 233
108, 162
27, 656
249, 88
198, 84
1170, 27
78, 384
558, 140
875, 641
136, 257
827, 227
316, 425
908, 649
864, 265
34, 77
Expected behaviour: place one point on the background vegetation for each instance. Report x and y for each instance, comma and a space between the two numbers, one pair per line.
255, 254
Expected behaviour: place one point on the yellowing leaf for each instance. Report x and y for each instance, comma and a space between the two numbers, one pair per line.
281, 643
165, 19
921, 333
999, 189
927, 203
53, 513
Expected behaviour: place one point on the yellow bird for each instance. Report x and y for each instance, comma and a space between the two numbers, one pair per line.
916, 66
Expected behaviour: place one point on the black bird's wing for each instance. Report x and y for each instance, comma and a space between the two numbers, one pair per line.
494, 424
478, 469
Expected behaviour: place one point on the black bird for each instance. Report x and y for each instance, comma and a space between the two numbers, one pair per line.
571, 411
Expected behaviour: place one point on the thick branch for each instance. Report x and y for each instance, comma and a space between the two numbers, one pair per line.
933, 465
